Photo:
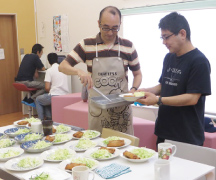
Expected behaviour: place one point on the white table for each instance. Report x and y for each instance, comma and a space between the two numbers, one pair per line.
181, 169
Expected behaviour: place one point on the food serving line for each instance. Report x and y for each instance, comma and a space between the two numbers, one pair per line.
179, 168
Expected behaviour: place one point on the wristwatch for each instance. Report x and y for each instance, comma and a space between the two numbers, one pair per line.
159, 103
133, 88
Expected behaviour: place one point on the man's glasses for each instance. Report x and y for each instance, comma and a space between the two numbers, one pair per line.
114, 29
166, 37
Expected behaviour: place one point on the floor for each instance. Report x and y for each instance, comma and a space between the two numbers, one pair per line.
8, 119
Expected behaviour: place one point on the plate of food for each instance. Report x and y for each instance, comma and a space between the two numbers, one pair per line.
6, 143
68, 164
12, 132
61, 129
26, 121
10, 152
132, 96
58, 155
81, 145
59, 138
138, 154
36, 146
28, 137
24, 163
46, 173
102, 153
115, 141
91, 134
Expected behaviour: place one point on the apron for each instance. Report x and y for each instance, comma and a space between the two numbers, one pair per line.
108, 75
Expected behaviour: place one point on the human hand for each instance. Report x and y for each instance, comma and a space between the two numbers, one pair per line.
148, 99
85, 78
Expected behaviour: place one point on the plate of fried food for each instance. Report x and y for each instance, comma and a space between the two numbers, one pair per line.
90, 134
132, 96
26, 121
67, 165
141, 154
115, 141
12, 132
102, 153
59, 138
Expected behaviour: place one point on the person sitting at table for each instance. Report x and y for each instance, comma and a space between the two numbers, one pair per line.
55, 84
29, 66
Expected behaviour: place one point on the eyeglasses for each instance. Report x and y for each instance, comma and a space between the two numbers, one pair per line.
166, 37
114, 29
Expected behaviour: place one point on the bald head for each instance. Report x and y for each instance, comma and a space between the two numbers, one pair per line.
112, 10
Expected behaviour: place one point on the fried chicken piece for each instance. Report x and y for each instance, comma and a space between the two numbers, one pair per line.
22, 122
53, 130
111, 150
50, 138
130, 155
29, 124
115, 143
71, 165
78, 134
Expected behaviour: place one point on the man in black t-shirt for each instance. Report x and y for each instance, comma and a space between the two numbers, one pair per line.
29, 66
183, 85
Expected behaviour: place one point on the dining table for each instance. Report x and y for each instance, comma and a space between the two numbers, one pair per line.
180, 169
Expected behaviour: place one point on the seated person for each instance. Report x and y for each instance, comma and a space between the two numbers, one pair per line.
210, 125
55, 84
28, 71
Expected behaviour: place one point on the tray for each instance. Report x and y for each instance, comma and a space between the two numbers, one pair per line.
116, 101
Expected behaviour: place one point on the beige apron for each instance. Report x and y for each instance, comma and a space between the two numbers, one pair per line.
109, 77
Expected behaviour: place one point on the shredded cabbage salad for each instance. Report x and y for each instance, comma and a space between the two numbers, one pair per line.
143, 153
5, 143
9, 153
85, 143
42, 176
90, 134
62, 128
101, 154
139, 94
111, 138
32, 119
60, 154
33, 136
28, 162
41, 145
88, 162
22, 131
61, 137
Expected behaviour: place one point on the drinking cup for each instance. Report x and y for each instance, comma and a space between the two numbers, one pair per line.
47, 127
36, 127
162, 169
81, 173
166, 150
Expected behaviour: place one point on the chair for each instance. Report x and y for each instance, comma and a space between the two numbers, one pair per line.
23, 87
195, 153
106, 132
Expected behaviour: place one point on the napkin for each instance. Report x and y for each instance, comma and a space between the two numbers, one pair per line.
112, 171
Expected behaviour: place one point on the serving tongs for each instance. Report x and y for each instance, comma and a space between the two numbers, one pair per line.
98, 91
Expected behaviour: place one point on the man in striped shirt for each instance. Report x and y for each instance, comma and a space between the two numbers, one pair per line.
108, 58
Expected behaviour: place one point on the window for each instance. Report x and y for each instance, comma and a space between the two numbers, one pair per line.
143, 31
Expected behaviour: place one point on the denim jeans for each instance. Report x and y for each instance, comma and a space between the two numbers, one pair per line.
43, 106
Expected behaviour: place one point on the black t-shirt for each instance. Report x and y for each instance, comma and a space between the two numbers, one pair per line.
189, 73
27, 68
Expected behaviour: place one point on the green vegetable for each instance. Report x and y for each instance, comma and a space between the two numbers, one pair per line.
62, 128
5, 143
22, 131
143, 153
111, 138
32, 119
28, 162
139, 94
42, 176
33, 136
101, 154
88, 162
60, 154
90, 134
62, 137
41, 145
9, 153
85, 143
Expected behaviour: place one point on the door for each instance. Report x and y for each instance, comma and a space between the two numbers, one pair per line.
10, 98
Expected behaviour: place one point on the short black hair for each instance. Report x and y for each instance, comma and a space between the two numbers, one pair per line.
174, 22
112, 9
52, 58
36, 48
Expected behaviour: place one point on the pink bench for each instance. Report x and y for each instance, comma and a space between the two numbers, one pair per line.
59, 102
210, 140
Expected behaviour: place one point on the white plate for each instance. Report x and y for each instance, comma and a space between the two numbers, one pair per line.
72, 145
69, 135
11, 132
98, 134
127, 143
69, 128
16, 123
55, 173
138, 160
131, 99
21, 151
46, 154
12, 164
90, 151
12, 140
63, 164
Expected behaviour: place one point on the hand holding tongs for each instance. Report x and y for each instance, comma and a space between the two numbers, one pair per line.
101, 93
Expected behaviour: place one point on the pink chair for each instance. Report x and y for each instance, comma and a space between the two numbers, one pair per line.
210, 140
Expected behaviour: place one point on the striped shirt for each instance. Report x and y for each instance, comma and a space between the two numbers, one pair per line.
85, 52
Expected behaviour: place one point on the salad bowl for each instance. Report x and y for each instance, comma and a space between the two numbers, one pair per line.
10, 152
28, 137
61, 129
12, 132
